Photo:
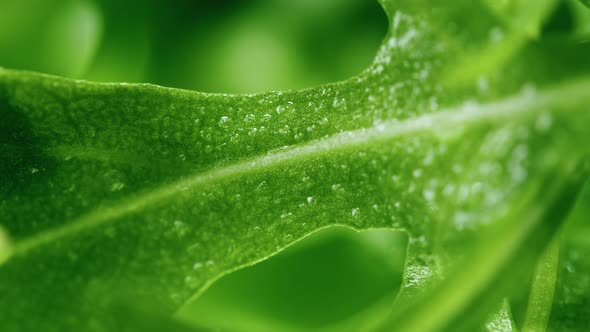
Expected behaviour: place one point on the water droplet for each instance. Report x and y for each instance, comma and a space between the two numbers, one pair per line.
449, 190
417, 275
428, 195
223, 122
180, 228
337, 187
197, 265
544, 122
483, 84
417, 173
461, 219
428, 159
309, 199
284, 130
529, 91
355, 212
496, 35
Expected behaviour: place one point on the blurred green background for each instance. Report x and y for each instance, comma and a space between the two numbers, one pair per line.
231, 46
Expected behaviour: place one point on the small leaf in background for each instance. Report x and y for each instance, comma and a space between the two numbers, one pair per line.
57, 37
326, 278
582, 19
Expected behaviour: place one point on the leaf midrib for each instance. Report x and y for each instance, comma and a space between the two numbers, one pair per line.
567, 94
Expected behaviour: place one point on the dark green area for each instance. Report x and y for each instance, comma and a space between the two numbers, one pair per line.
206, 45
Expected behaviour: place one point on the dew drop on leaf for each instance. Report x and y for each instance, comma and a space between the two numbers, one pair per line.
496, 35
428, 195
417, 173
544, 122
223, 121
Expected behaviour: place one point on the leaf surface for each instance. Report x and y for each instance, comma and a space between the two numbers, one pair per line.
117, 194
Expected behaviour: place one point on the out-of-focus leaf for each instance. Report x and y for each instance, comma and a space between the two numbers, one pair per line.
326, 278
262, 45
542, 291
489, 272
58, 37
571, 308
582, 18
125, 51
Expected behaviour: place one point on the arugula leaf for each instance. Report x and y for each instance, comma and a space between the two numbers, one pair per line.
493, 265
119, 194
582, 18
332, 277
570, 308
541, 296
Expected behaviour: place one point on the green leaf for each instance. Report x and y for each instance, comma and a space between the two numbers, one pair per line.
140, 196
333, 276
582, 18
542, 292
570, 307
492, 270
58, 37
